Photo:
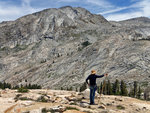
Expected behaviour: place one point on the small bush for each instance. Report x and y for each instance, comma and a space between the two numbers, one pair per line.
120, 107
71, 108
42, 99
85, 44
87, 111
17, 97
23, 90
18, 47
83, 87
79, 49
44, 110
43, 61
24, 98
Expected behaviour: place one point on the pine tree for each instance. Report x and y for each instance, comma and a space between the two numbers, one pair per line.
29, 86
1, 85
135, 89
70, 89
100, 88
104, 88
123, 89
5, 85
116, 90
16, 87
109, 88
139, 93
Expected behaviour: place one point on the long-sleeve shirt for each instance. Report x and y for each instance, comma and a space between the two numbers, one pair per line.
92, 79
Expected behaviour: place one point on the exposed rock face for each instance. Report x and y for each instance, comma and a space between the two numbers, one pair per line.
58, 47
106, 104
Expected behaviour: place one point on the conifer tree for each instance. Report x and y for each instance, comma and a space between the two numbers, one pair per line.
0, 85
116, 90
139, 93
131, 92
104, 88
135, 89
109, 88
123, 90
5, 85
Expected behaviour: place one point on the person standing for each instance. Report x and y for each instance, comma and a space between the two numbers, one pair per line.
91, 81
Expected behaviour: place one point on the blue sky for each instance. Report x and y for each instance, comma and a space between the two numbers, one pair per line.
111, 9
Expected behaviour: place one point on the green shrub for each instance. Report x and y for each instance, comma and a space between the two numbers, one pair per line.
42, 99
79, 49
23, 90
144, 84
71, 108
4, 49
43, 61
17, 97
87, 111
44, 110
85, 44
83, 87
120, 107
20, 47
24, 98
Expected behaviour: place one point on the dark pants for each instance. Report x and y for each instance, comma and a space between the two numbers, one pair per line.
92, 93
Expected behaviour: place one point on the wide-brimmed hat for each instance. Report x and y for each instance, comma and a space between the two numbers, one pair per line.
93, 72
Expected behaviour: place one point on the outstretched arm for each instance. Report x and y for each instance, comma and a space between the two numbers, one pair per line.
100, 76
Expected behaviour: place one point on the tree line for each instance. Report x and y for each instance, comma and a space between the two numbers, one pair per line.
119, 88
116, 88
106, 88
5, 85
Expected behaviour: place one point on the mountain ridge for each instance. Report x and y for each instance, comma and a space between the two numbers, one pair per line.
58, 47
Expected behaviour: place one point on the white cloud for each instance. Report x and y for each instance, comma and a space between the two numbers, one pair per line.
11, 12
145, 7
101, 3
124, 16
114, 10
140, 8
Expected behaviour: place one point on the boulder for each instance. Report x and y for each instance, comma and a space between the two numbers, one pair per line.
58, 109
36, 111
119, 99
101, 107
84, 105
25, 103
86, 94
30, 96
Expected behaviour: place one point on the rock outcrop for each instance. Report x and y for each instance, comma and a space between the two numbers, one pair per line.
106, 104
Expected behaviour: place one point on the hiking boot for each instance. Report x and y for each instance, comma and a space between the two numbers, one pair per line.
93, 104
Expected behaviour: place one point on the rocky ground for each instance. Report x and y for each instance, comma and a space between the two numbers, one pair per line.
56, 101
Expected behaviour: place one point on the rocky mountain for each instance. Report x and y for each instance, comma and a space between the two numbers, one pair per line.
58, 48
